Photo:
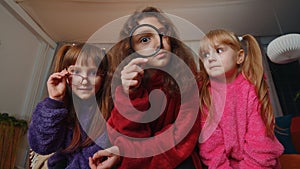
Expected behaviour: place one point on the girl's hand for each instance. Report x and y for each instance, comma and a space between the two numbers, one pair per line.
132, 74
112, 160
57, 85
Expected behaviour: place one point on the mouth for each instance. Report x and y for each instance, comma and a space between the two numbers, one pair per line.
85, 88
160, 55
213, 67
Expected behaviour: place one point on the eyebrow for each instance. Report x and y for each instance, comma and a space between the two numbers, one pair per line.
162, 29
144, 32
219, 45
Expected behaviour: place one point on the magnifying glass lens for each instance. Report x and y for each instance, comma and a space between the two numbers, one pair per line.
146, 41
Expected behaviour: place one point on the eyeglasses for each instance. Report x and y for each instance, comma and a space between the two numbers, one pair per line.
76, 78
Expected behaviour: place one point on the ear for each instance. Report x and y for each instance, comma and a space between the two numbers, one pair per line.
240, 56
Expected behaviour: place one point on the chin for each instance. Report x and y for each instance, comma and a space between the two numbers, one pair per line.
85, 96
217, 74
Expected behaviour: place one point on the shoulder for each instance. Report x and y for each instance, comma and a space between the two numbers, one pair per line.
244, 85
242, 90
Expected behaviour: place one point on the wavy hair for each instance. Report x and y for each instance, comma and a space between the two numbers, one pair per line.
122, 49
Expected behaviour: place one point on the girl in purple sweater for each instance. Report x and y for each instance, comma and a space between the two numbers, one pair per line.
71, 121
237, 117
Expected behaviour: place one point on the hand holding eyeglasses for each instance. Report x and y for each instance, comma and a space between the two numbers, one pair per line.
57, 85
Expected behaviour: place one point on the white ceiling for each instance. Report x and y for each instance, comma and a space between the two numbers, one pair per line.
78, 20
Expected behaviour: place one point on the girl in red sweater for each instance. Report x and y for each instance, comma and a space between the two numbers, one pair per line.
155, 122
238, 121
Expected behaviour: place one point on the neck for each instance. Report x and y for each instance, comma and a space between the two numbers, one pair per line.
227, 78
231, 75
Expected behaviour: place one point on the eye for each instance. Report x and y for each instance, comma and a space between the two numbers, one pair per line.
77, 72
93, 73
145, 39
219, 50
74, 71
205, 54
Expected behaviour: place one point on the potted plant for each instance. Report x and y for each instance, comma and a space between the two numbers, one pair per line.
11, 132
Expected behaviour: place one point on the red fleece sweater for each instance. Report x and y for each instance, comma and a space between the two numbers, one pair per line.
239, 140
165, 141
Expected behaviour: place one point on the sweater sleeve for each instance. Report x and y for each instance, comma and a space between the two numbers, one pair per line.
212, 151
47, 128
260, 151
172, 144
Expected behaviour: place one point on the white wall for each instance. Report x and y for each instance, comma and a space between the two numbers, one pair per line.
24, 63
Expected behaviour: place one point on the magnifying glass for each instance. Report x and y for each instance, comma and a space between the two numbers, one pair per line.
145, 40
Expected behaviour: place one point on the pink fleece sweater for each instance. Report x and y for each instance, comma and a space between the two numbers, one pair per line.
239, 140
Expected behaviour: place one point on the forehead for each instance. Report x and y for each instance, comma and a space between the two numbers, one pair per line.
85, 61
82, 67
212, 43
152, 21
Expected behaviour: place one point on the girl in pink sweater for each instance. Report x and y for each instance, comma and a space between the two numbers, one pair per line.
237, 117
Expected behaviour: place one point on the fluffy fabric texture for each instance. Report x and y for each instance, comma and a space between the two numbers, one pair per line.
49, 133
239, 140
171, 124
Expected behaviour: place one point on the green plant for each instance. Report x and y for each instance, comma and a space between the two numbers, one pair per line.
11, 131
10, 120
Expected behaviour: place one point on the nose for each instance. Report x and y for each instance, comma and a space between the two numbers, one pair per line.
84, 81
85, 78
212, 57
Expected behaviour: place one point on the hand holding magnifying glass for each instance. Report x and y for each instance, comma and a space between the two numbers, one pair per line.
146, 41
132, 74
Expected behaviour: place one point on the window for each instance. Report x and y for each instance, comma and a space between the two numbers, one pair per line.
286, 79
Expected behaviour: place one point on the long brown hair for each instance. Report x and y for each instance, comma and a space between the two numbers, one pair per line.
252, 69
68, 54
123, 49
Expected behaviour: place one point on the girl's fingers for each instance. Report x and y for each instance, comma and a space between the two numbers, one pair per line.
100, 154
138, 61
129, 76
129, 83
58, 76
132, 68
91, 163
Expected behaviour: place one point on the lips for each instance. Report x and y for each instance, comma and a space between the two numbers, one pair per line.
214, 66
85, 89
160, 55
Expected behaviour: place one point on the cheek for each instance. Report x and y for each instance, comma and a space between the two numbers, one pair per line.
166, 44
205, 63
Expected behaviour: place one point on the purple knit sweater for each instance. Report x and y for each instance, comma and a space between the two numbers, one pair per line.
49, 133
